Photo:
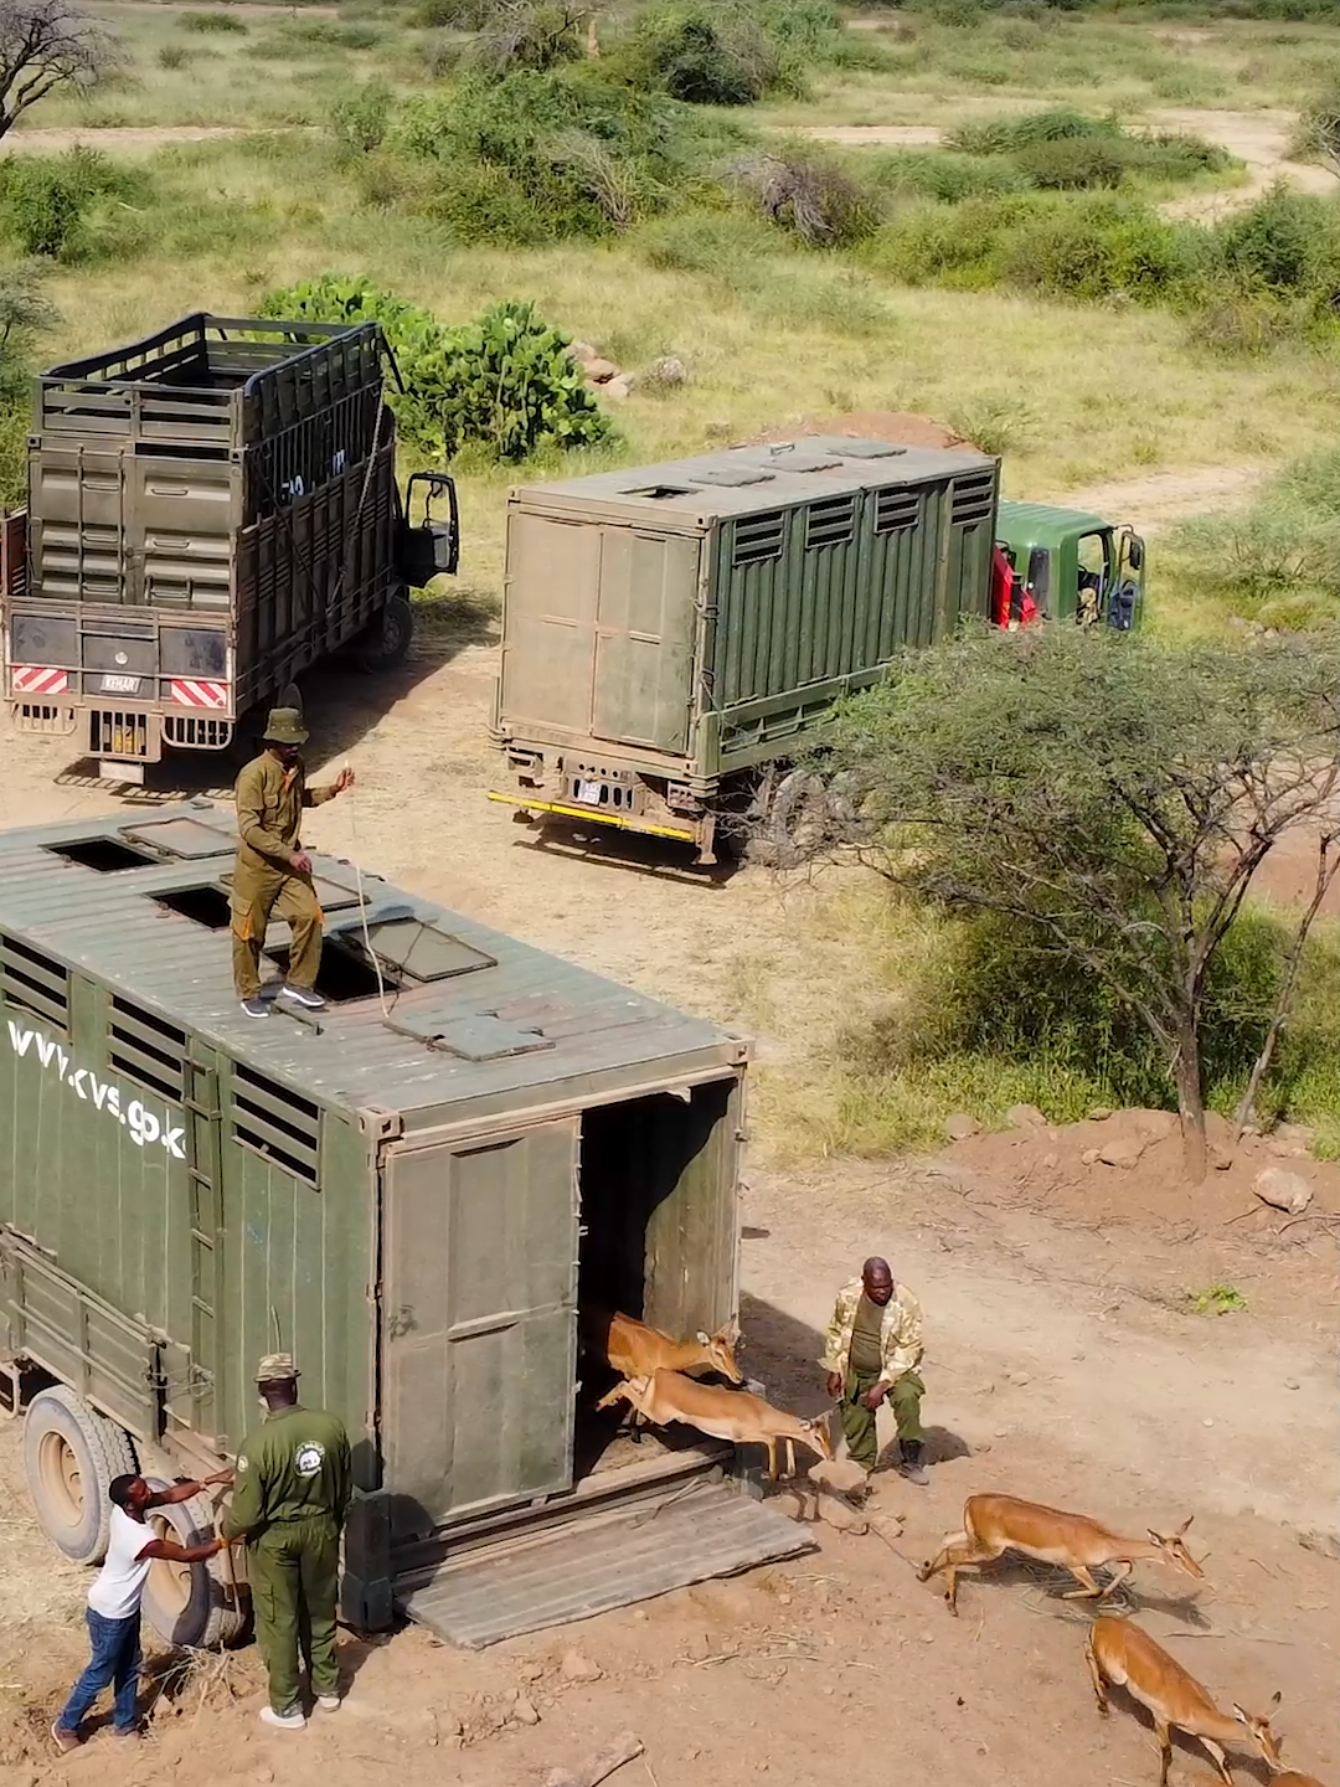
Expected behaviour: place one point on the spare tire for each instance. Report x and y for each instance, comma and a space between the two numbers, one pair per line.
191, 1604
70, 1455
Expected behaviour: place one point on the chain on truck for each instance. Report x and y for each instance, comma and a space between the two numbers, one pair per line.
211, 511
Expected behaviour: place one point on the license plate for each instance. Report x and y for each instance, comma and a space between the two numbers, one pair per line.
589, 793
120, 685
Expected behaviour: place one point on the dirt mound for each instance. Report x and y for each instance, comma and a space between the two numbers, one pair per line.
899, 426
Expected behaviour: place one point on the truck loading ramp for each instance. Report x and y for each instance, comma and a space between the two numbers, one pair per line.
593, 1565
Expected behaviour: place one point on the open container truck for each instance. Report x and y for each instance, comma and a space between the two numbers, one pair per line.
211, 511
673, 633
415, 1193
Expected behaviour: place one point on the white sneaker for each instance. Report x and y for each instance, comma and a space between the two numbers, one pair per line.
290, 1721
329, 1703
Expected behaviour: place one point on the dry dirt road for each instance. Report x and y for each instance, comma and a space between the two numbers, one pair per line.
1064, 1363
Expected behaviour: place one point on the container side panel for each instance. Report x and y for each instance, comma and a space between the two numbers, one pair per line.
553, 596
479, 1324
644, 637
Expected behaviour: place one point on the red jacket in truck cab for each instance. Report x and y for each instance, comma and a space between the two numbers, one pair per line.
1011, 604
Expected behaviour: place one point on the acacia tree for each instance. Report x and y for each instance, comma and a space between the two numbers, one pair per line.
46, 44
1112, 795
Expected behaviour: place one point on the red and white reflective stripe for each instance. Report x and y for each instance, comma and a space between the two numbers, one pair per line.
35, 679
198, 694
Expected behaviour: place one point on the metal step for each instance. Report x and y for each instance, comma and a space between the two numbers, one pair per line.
624, 1555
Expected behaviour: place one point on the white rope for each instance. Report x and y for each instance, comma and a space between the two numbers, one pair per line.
352, 792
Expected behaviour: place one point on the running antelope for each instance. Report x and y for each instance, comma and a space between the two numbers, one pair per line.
733, 1415
1117, 1651
994, 1524
635, 1350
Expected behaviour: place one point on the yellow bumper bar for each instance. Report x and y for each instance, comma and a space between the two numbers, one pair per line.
547, 806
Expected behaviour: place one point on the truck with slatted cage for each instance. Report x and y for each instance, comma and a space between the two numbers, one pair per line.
674, 634
211, 511
417, 1192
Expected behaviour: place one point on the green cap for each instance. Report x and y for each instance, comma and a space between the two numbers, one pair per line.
276, 1368
285, 727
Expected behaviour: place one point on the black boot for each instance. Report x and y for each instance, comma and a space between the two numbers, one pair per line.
909, 1452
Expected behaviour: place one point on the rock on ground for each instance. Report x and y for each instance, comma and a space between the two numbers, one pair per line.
1282, 1190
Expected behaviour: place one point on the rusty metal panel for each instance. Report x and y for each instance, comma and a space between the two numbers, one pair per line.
590, 1568
479, 1315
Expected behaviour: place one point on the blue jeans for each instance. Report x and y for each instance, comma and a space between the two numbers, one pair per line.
116, 1659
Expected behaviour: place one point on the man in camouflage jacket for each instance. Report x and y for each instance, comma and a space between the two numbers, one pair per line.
872, 1350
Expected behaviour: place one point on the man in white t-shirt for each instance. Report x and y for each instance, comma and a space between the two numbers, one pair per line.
114, 1602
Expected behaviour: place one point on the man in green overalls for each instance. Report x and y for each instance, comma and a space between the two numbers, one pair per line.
273, 871
294, 1481
871, 1352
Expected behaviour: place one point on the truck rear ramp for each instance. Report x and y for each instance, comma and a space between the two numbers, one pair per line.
626, 1554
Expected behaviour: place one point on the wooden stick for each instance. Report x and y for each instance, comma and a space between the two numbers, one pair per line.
623, 1749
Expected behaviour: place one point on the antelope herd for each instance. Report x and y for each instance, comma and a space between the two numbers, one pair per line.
652, 1381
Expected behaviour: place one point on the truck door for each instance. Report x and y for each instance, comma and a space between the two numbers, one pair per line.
479, 1323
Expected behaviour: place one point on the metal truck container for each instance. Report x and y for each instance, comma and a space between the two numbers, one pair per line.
671, 631
210, 512
415, 1193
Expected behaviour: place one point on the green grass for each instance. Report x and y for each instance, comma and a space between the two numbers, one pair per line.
1216, 1299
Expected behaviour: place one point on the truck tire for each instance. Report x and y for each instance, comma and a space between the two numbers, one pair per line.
191, 1604
71, 1455
386, 642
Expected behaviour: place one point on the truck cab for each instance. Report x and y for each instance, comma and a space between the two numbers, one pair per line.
1070, 565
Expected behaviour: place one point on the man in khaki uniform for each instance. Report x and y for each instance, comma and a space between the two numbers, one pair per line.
872, 1350
274, 872
294, 1482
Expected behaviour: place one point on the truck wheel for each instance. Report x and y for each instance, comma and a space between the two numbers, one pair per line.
71, 1455
387, 640
191, 1604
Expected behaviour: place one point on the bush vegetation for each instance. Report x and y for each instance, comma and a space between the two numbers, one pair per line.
505, 384
25, 314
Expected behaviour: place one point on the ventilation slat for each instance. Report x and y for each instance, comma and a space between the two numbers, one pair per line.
831, 522
897, 509
759, 537
974, 500
279, 1125
34, 982
147, 1050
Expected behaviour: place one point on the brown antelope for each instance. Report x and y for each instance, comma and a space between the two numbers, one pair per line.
994, 1524
1117, 1651
635, 1350
733, 1415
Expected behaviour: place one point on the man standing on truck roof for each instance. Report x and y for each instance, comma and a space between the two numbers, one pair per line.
294, 1482
274, 872
114, 1601
871, 1352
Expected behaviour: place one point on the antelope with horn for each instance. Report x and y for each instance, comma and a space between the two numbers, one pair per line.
1117, 1651
735, 1415
994, 1524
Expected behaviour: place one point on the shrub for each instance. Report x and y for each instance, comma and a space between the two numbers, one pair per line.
808, 197
524, 34
994, 424
1285, 242
1097, 247
172, 56
506, 382
944, 175
359, 120
25, 313
452, 15
1073, 163
222, 22
1007, 136
704, 55
47, 203
716, 245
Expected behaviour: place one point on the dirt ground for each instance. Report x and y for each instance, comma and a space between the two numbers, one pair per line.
1065, 1362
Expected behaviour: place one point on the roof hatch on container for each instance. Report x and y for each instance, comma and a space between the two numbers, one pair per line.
183, 838
418, 948
660, 493
108, 856
734, 477
475, 1036
854, 449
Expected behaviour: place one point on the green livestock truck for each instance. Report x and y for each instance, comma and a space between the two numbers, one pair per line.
211, 511
416, 1193
674, 635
